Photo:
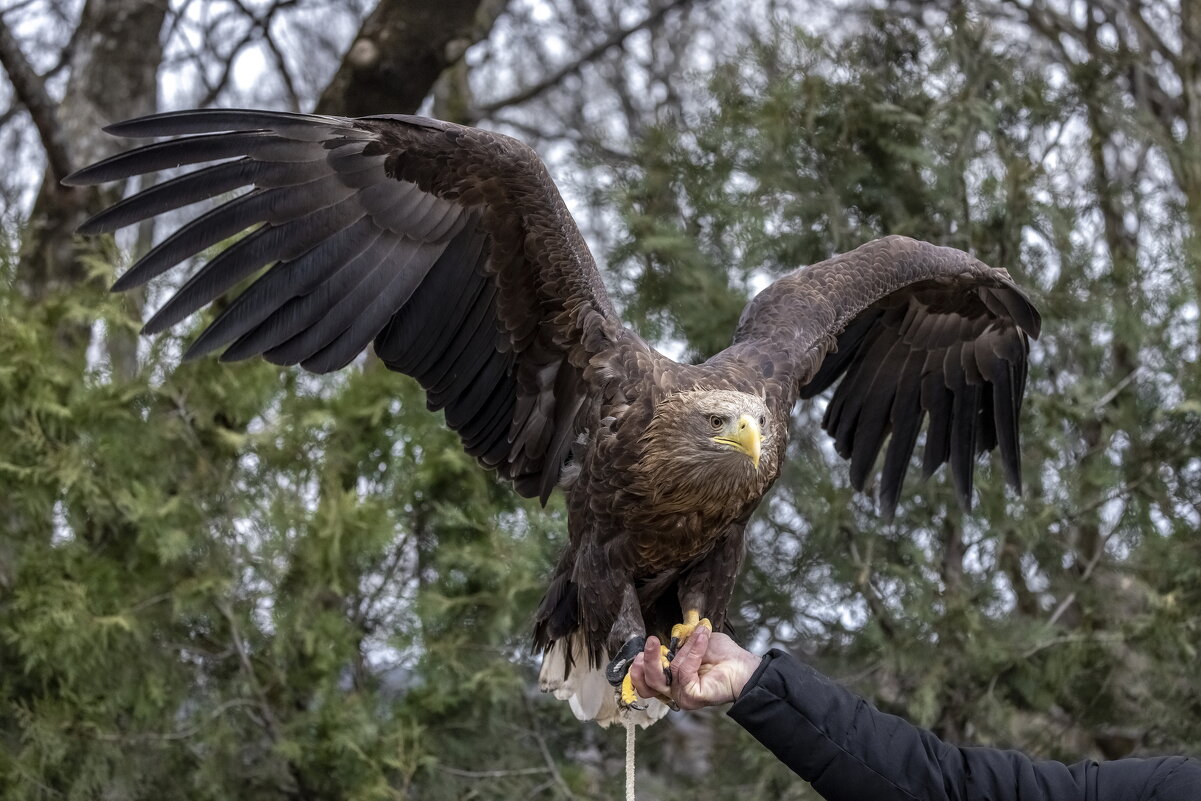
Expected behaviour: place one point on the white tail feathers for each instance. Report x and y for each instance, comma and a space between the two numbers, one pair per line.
591, 697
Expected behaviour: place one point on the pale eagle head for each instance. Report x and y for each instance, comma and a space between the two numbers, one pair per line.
709, 450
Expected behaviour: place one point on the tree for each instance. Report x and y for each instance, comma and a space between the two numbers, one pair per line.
400, 51
229, 581
293, 592
1028, 623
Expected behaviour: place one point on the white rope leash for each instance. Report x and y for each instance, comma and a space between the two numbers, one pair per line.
629, 760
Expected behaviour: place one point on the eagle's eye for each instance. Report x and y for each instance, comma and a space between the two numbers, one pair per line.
716, 421
762, 421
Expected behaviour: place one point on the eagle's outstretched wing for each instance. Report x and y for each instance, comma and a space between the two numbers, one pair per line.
912, 329
448, 247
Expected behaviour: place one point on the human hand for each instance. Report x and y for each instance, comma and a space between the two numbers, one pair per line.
709, 669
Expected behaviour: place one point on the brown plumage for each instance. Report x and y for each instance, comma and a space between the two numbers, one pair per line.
450, 250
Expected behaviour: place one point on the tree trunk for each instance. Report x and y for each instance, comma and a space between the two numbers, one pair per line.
401, 49
113, 77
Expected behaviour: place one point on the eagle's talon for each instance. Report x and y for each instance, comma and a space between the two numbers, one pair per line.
627, 698
682, 631
618, 668
665, 657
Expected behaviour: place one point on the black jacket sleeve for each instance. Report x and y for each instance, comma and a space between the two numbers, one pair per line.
850, 751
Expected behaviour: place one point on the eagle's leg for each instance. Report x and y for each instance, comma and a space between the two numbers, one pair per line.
619, 666
629, 630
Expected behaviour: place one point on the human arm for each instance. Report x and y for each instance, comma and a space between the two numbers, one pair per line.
849, 750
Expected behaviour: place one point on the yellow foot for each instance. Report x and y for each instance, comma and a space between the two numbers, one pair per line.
682, 631
628, 698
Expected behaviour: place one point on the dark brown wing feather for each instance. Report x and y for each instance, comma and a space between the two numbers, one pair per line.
913, 330
447, 247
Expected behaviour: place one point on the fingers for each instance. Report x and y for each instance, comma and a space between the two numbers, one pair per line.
645, 673
649, 681
687, 661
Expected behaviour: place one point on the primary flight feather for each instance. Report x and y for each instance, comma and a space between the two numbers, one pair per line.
449, 250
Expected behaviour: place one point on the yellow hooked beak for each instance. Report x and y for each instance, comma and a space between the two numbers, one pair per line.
743, 435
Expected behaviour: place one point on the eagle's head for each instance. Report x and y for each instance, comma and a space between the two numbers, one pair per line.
706, 450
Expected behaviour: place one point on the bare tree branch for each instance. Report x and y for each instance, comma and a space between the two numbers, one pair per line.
547, 758
617, 38
489, 774
31, 91
1149, 39
259, 27
267, 715
282, 67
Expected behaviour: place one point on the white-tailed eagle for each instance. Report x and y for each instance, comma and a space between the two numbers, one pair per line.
449, 250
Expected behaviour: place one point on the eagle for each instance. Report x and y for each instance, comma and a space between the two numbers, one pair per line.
450, 251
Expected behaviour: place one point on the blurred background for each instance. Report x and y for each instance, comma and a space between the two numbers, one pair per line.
240, 582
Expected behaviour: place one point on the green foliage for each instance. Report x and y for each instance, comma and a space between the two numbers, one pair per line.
231, 581
1057, 622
